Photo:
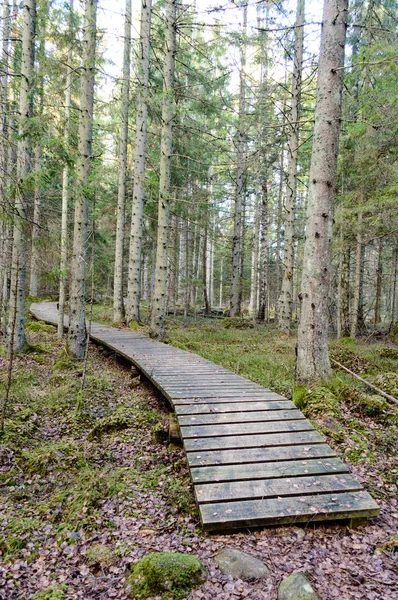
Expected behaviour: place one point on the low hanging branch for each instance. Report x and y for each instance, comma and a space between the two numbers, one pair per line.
380, 392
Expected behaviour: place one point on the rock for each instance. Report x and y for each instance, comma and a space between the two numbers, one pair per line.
239, 565
167, 574
297, 587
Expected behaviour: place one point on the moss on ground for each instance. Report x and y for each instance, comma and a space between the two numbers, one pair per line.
171, 575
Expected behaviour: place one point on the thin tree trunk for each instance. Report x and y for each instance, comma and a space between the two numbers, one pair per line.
254, 263
137, 211
221, 282
35, 250
158, 308
118, 303
343, 291
239, 184
394, 286
358, 279
379, 278
264, 255
312, 344
77, 322
286, 297
65, 185
5, 222
22, 200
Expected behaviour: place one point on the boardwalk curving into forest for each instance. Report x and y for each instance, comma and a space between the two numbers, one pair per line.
254, 458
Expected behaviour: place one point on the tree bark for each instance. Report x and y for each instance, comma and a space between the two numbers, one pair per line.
239, 183
77, 321
118, 303
65, 185
158, 308
137, 212
312, 344
22, 198
356, 305
286, 297
264, 255
379, 278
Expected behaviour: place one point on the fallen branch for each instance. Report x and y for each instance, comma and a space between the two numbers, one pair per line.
379, 391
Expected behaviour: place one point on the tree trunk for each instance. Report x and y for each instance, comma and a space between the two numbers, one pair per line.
379, 278
394, 286
312, 344
65, 185
239, 183
343, 291
158, 308
77, 323
118, 303
286, 297
358, 280
254, 263
264, 255
35, 250
5, 221
22, 199
137, 212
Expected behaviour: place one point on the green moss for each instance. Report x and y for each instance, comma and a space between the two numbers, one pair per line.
299, 394
237, 323
56, 456
54, 593
350, 359
388, 382
39, 326
171, 575
100, 555
388, 352
121, 419
320, 402
359, 451
64, 364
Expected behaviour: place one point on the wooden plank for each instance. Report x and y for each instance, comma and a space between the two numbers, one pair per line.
266, 470
252, 441
238, 429
274, 488
259, 455
240, 417
253, 513
216, 399
231, 407
219, 394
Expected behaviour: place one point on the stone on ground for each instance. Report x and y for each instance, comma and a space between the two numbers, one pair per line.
239, 565
169, 574
297, 587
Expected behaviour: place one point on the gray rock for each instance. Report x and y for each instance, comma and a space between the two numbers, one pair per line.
297, 587
239, 565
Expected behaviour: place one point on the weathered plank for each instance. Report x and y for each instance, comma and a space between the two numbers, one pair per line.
258, 455
274, 488
240, 417
241, 429
231, 407
252, 513
266, 470
230, 442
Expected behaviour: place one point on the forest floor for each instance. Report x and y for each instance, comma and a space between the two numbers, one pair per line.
86, 490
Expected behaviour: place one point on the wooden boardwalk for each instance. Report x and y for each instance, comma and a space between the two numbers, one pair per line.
254, 458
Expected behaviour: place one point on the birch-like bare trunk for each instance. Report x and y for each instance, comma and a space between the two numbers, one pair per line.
35, 248
312, 344
137, 212
254, 261
159, 301
264, 254
118, 303
239, 183
16, 319
65, 185
285, 308
77, 322
5, 222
